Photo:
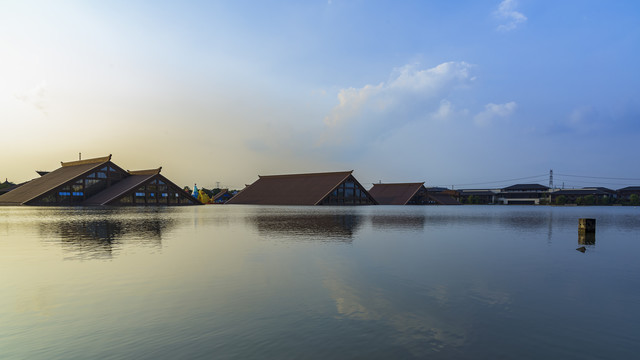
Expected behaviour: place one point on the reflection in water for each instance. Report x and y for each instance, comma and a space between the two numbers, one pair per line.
95, 235
398, 222
416, 331
550, 231
449, 283
332, 227
524, 221
585, 238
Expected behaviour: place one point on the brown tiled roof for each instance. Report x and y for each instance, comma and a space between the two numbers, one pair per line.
145, 172
50, 181
394, 194
293, 189
87, 161
443, 199
120, 188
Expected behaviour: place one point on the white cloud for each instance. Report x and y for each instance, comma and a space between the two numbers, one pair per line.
493, 111
35, 97
410, 94
507, 12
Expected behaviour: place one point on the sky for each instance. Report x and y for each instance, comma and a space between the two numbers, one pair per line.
469, 94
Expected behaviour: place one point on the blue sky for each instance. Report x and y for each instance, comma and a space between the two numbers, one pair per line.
450, 93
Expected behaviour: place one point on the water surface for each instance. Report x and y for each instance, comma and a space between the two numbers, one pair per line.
375, 282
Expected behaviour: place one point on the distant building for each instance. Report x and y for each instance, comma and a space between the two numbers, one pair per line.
478, 196
98, 182
400, 194
626, 192
331, 188
571, 195
444, 197
410, 194
523, 194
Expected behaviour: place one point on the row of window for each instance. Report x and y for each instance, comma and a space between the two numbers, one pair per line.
141, 194
150, 198
154, 192
67, 193
348, 193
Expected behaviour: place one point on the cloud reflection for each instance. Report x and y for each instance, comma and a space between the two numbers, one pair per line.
420, 331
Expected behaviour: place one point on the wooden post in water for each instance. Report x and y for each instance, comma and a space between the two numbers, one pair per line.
587, 231
587, 225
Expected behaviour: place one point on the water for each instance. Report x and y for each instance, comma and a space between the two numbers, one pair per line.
244, 282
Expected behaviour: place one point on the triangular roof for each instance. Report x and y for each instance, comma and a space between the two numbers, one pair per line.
40, 186
442, 198
131, 183
525, 187
121, 187
630, 188
291, 189
395, 193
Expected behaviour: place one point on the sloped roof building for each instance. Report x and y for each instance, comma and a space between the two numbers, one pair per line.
330, 188
399, 193
409, 194
98, 181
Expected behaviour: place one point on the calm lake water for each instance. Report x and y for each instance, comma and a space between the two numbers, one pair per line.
377, 282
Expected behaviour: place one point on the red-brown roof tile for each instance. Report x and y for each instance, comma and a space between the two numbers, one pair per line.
394, 194
50, 181
292, 189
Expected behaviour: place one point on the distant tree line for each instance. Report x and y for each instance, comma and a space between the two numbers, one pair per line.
6, 184
633, 200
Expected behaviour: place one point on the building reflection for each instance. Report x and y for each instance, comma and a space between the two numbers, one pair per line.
586, 238
100, 237
398, 222
525, 222
327, 227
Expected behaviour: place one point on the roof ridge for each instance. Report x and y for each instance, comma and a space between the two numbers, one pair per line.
134, 185
145, 172
87, 161
347, 175
411, 183
306, 174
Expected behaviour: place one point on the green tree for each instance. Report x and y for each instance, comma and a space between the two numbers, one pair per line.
634, 199
561, 200
579, 200
589, 200
6, 184
605, 200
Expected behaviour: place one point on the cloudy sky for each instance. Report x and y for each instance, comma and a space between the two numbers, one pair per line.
463, 93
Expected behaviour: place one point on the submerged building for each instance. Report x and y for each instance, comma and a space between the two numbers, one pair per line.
331, 188
409, 194
98, 181
400, 194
